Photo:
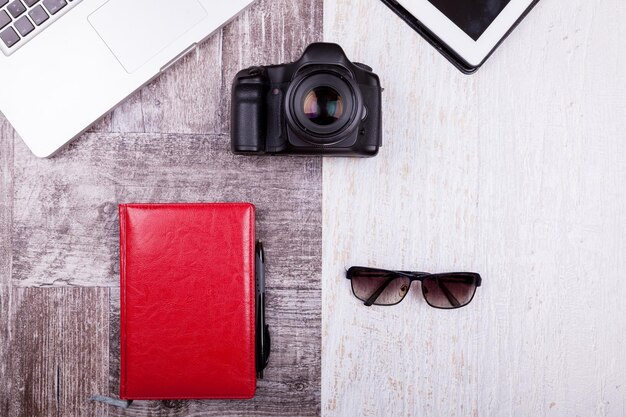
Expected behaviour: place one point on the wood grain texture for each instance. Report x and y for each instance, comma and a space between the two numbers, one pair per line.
516, 172
54, 351
167, 143
66, 234
65, 227
6, 198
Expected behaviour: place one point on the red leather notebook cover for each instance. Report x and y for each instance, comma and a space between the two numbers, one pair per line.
187, 301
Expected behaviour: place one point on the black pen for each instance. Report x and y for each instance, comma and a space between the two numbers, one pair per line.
261, 330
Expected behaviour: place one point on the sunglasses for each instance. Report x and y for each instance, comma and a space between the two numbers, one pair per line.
386, 288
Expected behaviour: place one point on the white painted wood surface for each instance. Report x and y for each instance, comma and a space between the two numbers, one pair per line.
518, 173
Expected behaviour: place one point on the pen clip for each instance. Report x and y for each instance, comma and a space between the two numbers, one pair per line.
263, 342
268, 346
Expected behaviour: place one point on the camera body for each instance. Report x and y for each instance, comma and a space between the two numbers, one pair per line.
321, 104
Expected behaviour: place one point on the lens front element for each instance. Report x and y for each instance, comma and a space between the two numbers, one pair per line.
323, 105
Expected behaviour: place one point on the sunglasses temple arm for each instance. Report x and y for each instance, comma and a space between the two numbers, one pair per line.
378, 292
451, 298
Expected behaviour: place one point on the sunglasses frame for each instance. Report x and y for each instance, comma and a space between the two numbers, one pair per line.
412, 276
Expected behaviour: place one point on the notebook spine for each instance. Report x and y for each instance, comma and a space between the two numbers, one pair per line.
122, 213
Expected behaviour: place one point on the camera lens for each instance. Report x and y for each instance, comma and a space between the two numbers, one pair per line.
323, 105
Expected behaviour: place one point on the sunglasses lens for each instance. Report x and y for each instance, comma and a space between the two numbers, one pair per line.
379, 287
449, 290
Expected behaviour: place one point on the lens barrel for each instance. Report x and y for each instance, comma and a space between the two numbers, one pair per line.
323, 106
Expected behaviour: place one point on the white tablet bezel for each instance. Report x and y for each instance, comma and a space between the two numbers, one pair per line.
471, 51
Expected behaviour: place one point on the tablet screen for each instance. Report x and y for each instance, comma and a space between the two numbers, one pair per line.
472, 16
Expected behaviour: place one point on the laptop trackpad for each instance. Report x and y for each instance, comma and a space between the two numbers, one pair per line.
137, 30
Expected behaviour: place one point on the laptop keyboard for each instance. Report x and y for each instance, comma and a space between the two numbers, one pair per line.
21, 20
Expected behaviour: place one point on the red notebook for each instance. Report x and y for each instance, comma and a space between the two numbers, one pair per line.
187, 301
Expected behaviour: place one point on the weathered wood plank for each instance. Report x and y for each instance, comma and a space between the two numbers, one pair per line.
65, 233
54, 351
6, 402
65, 230
66, 225
7, 135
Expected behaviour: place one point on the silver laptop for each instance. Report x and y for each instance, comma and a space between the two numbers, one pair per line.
66, 63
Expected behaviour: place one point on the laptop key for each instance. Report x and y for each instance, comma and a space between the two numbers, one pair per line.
53, 6
9, 37
30, 3
5, 19
3, 2
16, 8
38, 14
23, 26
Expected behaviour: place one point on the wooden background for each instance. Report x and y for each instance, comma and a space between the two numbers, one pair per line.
518, 173
59, 296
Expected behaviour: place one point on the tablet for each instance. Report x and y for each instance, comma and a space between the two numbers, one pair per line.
466, 32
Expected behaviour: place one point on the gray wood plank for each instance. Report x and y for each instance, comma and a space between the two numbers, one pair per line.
7, 135
64, 230
66, 234
54, 351
65, 226
5, 401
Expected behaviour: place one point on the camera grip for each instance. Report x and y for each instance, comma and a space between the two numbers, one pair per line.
248, 116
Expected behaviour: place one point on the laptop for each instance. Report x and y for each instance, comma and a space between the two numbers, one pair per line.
64, 64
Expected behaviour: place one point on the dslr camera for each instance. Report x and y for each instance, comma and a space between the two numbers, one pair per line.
321, 104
